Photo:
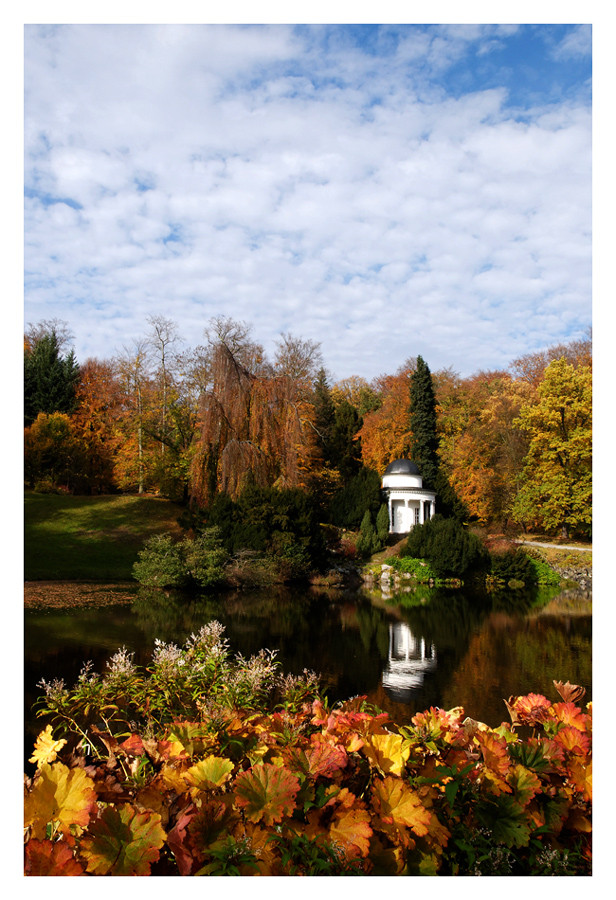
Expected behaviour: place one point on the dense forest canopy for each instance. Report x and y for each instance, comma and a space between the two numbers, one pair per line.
511, 447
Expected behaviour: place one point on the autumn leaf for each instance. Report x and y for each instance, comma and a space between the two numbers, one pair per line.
570, 693
211, 772
573, 741
123, 841
193, 736
570, 714
580, 775
533, 709
62, 795
46, 748
494, 751
351, 828
397, 804
387, 752
524, 783
50, 858
215, 816
320, 759
266, 793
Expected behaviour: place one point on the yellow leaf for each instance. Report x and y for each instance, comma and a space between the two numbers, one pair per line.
211, 772
46, 749
62, 795
387, 752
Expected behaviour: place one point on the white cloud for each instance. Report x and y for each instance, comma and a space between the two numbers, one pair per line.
219, 170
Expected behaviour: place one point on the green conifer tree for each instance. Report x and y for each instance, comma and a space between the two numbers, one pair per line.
50, 379
424, 442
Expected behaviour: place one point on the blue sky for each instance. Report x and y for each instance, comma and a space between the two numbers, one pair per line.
387, 191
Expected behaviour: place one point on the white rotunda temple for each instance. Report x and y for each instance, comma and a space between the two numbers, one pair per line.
408, 502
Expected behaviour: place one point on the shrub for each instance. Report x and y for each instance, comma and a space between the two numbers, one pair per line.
418, 568
161, 563
198, 561
205, 558
304, 790
448, 546
382, 523
278, 523
514, 565
368, 540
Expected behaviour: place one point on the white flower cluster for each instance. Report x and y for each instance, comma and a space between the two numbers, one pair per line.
121, 664
167, 657
55, 691
254, 674
87, 676
210, 639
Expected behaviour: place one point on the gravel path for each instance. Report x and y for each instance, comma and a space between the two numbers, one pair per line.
554, 546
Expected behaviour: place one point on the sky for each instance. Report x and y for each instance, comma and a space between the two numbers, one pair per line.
385, 190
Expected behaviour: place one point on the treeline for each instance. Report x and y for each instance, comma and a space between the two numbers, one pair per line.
205, 425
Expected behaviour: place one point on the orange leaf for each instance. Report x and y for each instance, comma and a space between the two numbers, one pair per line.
351, 828
494, 750
573, 740
266, 793
570, 714
397, 804
580, 775
49, 858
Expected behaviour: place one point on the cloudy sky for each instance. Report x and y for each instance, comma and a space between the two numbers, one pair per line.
386, 190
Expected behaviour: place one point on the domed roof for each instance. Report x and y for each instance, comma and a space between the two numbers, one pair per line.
402, 467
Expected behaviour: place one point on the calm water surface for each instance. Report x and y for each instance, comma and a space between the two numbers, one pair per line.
407, 653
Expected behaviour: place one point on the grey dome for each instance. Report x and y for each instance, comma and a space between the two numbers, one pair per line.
402, 467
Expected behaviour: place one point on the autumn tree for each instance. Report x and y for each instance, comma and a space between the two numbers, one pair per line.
163, 335
53, 457
531, 366
481, 449
385, 433
96, 423
257, 419
556, 491
135, 452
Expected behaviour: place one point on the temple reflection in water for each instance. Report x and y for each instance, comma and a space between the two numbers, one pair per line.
409, 660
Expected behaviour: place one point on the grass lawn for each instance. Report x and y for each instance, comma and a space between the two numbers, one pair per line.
90, 538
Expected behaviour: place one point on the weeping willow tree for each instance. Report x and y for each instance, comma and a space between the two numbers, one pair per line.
257, 421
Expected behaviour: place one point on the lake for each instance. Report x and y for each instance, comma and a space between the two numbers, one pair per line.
432, 647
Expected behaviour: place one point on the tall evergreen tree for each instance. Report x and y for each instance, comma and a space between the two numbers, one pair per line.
50, 379
424, 442
324, 412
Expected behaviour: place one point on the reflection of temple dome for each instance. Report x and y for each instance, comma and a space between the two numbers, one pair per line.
402, 467
408, 663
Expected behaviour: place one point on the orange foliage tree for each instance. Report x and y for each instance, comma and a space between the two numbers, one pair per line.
385, 432
256, 418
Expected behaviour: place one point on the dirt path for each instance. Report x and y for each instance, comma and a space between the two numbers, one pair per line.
554, 546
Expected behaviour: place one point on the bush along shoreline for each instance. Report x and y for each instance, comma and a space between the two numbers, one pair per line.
207, 764
439, 553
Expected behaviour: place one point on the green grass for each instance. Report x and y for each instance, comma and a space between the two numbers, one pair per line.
90, 538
